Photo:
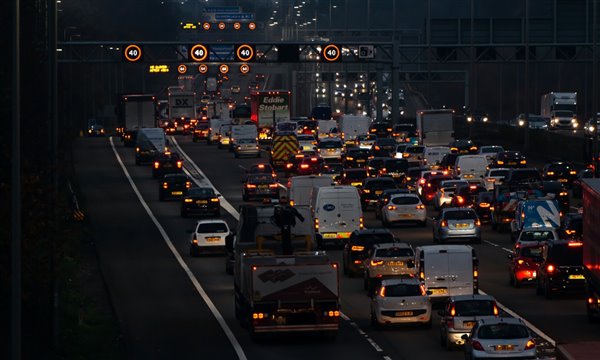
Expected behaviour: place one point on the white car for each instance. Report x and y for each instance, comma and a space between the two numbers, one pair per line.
307, 143
400, 301
399, 153
494, 177
445, 192
500, 338
490, 151
209, 236
404, 208
365, 141
536, 235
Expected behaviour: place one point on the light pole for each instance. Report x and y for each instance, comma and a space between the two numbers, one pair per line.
472, 93
526, 129
595, 85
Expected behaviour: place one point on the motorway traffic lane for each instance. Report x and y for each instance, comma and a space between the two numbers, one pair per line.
563, 318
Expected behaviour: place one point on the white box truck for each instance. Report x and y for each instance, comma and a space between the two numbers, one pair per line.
561, 109
353, 125
436, 127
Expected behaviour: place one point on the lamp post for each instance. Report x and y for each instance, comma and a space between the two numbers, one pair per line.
526, 125
595, 85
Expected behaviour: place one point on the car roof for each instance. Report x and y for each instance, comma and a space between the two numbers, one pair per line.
372, 231
404, 194
451, 209
392, 245
501, 320
458, 298
211, 221
398, 281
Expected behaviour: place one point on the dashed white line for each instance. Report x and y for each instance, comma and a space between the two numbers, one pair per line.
374, 344
498, 246
211, 306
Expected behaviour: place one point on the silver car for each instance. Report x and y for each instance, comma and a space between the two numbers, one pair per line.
461, 313
246, 147
457, 224
500, 338
400, 301
445, 192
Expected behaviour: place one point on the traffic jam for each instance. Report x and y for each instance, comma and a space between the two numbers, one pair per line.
351, 184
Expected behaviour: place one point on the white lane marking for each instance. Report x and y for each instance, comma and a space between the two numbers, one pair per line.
213, 309
387, 358
507, 250
530, 325
242, 167
236, 215
498, 246
224, 203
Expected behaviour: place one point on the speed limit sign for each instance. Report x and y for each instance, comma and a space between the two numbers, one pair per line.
198, 53
244, 53
132, 53
331, 53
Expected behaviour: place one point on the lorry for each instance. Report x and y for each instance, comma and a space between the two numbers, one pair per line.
267, 109
150, 142
136, 111
182, 104
243, 132
352, 126
534, 213
435, 127
282, 286
591, 246
561, 109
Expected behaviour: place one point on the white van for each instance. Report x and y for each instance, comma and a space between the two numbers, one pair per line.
213, 130
336, 213
326, 127
447, 270
470, 166
434, 154
150, 142
352, 126
301, 187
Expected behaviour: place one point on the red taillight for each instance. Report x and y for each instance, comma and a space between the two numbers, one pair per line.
460, 199
550, 268
422, 181
530, 344
304, 166
382, 291
250, 186
477, 345
165, 185
273, 186
179, 163
477, 222
391, 207
444, 223
376, 262
156, 164
496, 311
188, 184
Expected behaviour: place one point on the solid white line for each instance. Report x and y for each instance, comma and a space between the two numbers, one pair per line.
213, 309
530, 325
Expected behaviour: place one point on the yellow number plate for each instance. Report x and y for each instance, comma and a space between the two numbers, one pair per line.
439, 291
176, 192
460, 226
404, 313
468, 324
395, 263
329, 236
504, 347
576, 277
201, 202
213, 238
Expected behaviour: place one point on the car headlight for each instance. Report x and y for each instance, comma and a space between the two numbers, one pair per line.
591, 128
485, 119
521, 122
469, 118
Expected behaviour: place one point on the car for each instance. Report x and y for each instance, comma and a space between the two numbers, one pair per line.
209, 236
561, 268
456, 224
394, 168
260, 168
559, 192
235, 89
307, 127
523, 263
384, 198
462, 146
310, 166
96, 130
383, 147
572, 226
536, 235
400, 149
260, 186
482, 203
200, 131
357, 247
331, 148
405, 133
448, 162
591, 127
576, 185
445, 192
333, 169
353, 176
404, 208
380, 129
413, 174
201, 200
502, 337
524, 176
430, 188
388, 261
424, 177
356, 157
509, 159
373, 166
167, 163
476, 116
247, 147
365, 141
560, 171
415, 154
306, 142
460, 314
495, 177
490, 151
535, 121
173, 186
372, 188
465, 195
400, 301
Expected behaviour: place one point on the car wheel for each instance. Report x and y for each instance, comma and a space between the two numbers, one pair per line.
423, 223
258, 155
477, 240
494, 225
208, 142
161, 197
428, 324
366, 284
511, 279
345, 268
236, 155
218, 213
137, 161
376, 324
194, 140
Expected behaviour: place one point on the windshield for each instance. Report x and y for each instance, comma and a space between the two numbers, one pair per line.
306, 138
372, 239
525, 175
502, 173
246, 141
503, 331
533, 252
491, 149
211, 228
367, 137
405, 200
537, 235
265, 178
381, 184
288, 126
474, 308
386, 142
564, 255
403, 290
201, 192
393, 252
460, 215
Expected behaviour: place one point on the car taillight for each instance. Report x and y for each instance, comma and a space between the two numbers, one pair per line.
156, 164
460, 199
391, 207
382, 291
273, 186
361, 222
188, 184
420, 207
179, 163
214, 199
496, 311
477, 222
550, 268
477, 345
422, 181
304, 166
550, 173
530, 344
444, 223
250, 186
376, 262
356, 247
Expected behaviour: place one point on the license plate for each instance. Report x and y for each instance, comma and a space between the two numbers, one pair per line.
406, 215
460, 226
360, 161
329, 236
395, 263
213, 238
404, 313
167, 165
176, 192
576, 277
343, 235
468, 324
378, 192
263, 186
563, 180
512, 163
439, 291
201, 202
504, 347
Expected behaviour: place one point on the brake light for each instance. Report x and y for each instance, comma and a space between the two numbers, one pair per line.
382, 291
422, 181
376, 147
573, 172
165, 185
444, 223
575, 244
261, 166
550, 268
316, 224
570, 232
460, 199
179, 163
156, 164
484, 205
304, 166
273, 186
523, 162
530, 344
477, 222
357, 248
477, 346
550, 173
250, 186
453, 311
214, 199
420, 207
376, 262
496, 311
188, 184
500, 162
391, 207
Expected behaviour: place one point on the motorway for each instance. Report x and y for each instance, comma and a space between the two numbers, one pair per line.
156, 288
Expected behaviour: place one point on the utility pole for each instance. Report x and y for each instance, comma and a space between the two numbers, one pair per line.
526, 126
472, 93
15, 215
595, 85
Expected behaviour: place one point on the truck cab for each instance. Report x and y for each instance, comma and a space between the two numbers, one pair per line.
535, 213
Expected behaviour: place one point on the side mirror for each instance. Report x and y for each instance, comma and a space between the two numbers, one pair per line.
465, 337
219, 195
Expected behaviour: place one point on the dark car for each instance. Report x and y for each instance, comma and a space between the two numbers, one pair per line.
583, 174
200, 131
260, 168
260, 186
372, 188
167, 163
307, 127
406, 133
413, 174
560, 171
560, 193
476, 116
464, 196
202, 201
96, 130
519, 178
448, 161
509, 159
374, 165
463, 147
310, 165
381, 129
383, 147
354, 177
482, 204
384, 199
561, 269
572, 226
394, 168
173, 186
358, 246
356, 157
431, 187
